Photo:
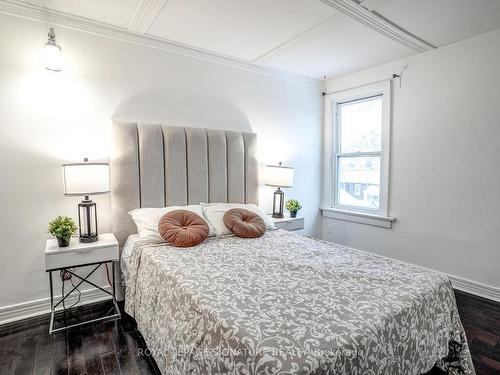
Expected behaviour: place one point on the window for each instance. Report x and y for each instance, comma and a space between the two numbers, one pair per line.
358, 153
358, 139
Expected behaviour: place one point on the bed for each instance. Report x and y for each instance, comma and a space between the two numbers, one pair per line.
278, 304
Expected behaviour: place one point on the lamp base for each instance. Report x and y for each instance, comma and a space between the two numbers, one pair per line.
87, 220
278, 200
88, 239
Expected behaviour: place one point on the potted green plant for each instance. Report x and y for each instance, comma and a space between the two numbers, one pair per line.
293, 205
62, 228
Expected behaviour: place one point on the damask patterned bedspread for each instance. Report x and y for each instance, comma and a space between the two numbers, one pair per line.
287, 304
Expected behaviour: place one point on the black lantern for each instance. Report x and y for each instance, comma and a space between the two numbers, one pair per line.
85, 179
87, 220
278, 199
279, 176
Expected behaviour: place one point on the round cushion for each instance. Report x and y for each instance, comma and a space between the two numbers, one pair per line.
244, 223
183, 228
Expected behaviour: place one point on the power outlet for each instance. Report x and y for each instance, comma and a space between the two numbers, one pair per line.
65, 275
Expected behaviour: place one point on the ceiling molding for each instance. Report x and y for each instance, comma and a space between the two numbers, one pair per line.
319, 28
377, 22
145, 14
313, 32
56, 18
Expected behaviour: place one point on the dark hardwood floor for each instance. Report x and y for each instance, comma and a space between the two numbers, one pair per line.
104, 348
114, 347
481, 320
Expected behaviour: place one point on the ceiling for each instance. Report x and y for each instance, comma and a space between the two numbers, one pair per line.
309, 37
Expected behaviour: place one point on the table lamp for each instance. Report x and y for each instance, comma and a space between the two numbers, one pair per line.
278, 176
86, 179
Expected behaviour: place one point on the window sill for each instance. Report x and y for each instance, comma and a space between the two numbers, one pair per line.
358, 217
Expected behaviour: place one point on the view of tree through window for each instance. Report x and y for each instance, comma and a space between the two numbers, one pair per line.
358, 159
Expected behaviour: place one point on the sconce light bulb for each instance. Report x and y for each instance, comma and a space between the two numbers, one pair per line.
52, 53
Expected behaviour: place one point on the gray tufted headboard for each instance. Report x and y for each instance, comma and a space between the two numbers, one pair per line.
159, 165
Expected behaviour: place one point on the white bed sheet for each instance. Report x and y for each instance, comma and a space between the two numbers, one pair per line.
127, 253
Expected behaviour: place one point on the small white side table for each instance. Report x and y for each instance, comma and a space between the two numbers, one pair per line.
76, 255
288, 223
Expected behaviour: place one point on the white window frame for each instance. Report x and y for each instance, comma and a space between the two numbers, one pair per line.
378, 217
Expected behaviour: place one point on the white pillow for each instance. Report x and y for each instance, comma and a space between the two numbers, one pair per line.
214, 213
147, 219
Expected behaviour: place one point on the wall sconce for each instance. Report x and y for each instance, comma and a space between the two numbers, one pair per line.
52, 53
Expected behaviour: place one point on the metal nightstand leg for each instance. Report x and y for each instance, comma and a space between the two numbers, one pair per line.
51, 303
114, 291
116, 315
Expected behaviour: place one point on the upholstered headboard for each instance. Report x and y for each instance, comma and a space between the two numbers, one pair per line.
159, 165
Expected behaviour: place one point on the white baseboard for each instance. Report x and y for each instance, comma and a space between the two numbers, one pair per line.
473, 287
42, 306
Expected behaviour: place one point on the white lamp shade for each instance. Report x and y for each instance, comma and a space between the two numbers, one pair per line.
276, 175
52, 57
85, 178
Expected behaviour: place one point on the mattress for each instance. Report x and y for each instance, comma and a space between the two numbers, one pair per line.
287, 304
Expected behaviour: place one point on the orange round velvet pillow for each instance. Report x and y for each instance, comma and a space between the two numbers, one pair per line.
183, 228
244, 223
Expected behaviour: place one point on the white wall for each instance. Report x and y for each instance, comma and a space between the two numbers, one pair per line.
47, 118
445, 162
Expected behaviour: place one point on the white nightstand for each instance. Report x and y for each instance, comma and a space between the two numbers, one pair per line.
79, 254
288, 223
